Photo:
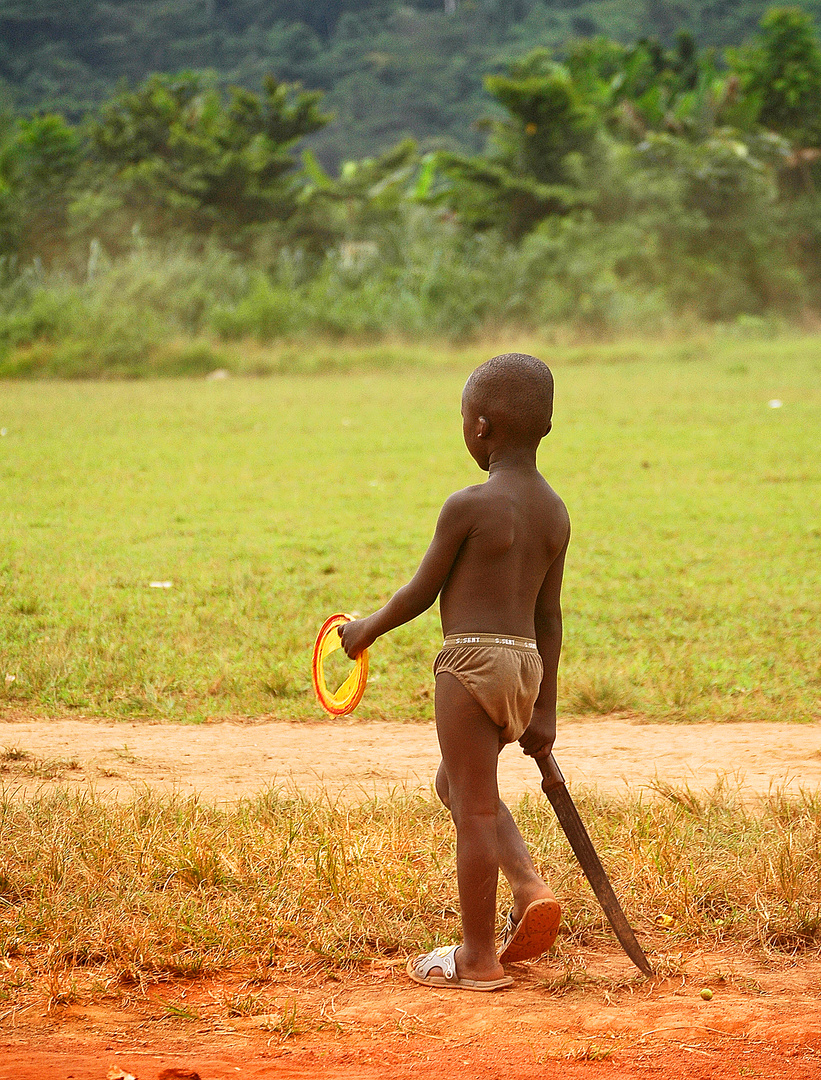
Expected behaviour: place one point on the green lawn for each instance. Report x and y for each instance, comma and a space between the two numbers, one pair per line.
693, 586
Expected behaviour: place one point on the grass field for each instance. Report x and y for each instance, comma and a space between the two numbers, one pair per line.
692, 587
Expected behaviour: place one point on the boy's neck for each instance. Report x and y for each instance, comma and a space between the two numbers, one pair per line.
512, 457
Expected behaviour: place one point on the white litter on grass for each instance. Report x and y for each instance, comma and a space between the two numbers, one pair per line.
219, 373
160, 584
775, 403
10, 679
4, 431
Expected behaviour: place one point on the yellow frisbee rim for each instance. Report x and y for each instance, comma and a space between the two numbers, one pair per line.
345, 699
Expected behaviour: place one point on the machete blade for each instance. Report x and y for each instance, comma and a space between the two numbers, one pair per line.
554, 787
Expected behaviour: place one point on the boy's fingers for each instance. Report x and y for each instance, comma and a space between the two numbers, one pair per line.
341, 631
349, 648
536, 746
538, 755
535, 751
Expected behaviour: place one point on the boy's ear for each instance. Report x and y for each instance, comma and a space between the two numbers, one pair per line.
483, 427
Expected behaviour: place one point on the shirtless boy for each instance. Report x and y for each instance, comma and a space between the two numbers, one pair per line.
496, 562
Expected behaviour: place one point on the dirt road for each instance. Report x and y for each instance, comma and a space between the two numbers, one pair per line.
226, 761
581, 1018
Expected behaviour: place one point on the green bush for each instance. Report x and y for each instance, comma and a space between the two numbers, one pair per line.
267, 311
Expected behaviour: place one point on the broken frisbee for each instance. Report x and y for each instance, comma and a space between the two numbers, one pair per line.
347, 697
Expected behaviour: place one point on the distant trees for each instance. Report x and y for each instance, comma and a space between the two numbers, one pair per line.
527, 174
781, 75
173, 155
619, 173
177, 154
40, 159
712, 133
391, 68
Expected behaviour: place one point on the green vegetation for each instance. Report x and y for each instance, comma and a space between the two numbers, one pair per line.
390, 69
106, 899
623, 187
270, 503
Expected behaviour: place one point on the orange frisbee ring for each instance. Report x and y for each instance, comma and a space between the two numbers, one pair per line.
349, 694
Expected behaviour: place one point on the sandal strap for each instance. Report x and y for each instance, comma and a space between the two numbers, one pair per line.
509, 928
444, 957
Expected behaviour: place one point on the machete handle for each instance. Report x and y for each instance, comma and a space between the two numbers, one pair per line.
551, 773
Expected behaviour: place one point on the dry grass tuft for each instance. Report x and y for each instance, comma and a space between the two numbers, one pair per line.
20, 762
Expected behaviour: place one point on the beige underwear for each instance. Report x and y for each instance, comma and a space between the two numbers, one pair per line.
502, 673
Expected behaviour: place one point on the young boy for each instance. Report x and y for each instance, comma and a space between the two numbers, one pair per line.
496, 561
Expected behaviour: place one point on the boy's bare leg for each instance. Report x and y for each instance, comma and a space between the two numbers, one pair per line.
514, 858
469, 741
517, 866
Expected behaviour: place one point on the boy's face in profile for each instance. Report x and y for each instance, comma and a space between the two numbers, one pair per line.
472, 424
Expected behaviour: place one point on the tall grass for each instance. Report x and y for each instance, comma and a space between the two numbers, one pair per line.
166, 887
140, 314
175, 308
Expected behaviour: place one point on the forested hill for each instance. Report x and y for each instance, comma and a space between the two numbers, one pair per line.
389, 68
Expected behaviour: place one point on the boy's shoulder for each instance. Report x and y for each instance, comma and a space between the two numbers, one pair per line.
465, 499
481, 497
468, 494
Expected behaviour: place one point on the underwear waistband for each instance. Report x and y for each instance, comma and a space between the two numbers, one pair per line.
502, 641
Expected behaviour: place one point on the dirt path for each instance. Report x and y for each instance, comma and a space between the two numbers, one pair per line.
226, 761
587, 1017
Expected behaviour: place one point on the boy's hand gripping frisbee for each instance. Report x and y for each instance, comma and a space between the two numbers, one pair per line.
349, 694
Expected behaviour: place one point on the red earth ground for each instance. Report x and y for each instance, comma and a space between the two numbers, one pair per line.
226, 761
589, 1016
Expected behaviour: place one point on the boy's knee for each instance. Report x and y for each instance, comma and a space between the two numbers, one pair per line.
465, 803
469, 806
442, 787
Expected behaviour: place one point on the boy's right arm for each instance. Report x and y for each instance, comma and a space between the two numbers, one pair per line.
452, 529
540, 734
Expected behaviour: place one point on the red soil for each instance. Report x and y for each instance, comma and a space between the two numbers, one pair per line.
764, 1020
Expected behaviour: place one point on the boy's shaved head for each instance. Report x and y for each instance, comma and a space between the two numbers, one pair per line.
514, 391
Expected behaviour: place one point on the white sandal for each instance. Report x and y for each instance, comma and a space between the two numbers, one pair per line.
445, 958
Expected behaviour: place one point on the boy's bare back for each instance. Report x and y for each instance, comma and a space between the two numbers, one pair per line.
511, 529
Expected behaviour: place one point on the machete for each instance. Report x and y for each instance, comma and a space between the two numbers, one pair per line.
553, 786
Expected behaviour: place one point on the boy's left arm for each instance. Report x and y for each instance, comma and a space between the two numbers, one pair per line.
540, 734
454, 524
